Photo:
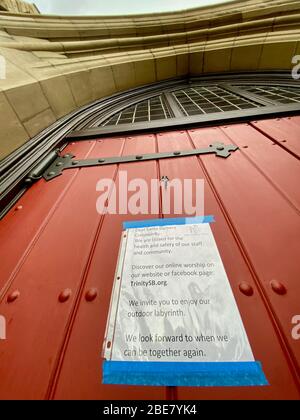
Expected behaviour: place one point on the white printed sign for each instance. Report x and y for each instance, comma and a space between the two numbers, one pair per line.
172, 300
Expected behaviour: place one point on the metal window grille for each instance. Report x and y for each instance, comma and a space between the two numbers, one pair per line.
210, 99
207, 99
281, 94
151, 109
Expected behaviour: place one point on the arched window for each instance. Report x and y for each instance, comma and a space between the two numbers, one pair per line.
169, 105
198, 98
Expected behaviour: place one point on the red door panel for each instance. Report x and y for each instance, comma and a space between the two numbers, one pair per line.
29, 221
267, 225
238, 267
90, 320
285, 131
57, 262
59, 243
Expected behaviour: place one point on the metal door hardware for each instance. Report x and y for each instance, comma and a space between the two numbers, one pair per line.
164, 181
67, 162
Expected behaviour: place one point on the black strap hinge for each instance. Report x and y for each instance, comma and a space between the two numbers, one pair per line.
67, 162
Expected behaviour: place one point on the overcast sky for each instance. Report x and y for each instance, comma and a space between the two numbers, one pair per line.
113, 7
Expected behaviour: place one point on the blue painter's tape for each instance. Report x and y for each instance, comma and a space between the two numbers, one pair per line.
204, 374
168, 222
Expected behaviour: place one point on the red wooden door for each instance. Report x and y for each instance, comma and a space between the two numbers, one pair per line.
58, 257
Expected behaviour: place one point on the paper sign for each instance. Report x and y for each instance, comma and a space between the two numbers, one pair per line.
172, 301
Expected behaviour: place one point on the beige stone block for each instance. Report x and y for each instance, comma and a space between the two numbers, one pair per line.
124, 76
52, 32
145, 72
196, 47
86, 22
154, 29
174, 27
182, 64
140, 55
27, 101
226, 19
19, 57
256, 26
264, 12
216, 61
59, 95
128, 48
222, 32
6, 42
158, 41
39, 122
120, 58
4, 34
197, 36
244, 41
16, 74
251, 30
93, 32
196, 23
166, 67
181, 49
220, 44
129, 43
277, 56
12, 133
156, 45
102, 82
23, 39
245, 57
44, 70
81, 87
59, 67
178, 39
162, 52
45, 55
116, 32
282, 23
282, 36
196, 62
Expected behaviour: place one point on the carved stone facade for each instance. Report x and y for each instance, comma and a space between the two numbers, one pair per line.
56, 64
18, 6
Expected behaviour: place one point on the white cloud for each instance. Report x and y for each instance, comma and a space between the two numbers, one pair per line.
116, 7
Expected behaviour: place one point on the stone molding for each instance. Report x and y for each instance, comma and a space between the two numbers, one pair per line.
56, 64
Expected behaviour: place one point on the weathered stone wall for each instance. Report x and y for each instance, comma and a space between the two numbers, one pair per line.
18, 6
56, 64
